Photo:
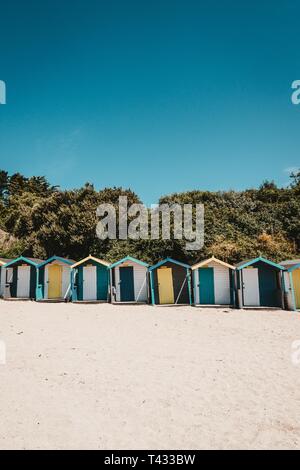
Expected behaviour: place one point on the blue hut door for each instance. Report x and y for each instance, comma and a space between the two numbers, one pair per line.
89, 283
126, 283
206, 286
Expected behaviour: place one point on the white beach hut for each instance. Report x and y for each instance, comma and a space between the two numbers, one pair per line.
213, 282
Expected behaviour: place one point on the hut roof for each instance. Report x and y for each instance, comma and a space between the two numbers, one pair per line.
169, 260
245, 264
290, 265
128, 258
32, 261
5, 260
58, 258
92, 258
212, 259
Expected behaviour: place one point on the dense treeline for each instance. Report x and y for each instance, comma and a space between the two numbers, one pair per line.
40, 220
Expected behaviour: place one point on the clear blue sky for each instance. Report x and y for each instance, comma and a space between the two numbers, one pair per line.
159, 96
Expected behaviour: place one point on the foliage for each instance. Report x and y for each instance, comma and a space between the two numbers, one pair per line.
41, 220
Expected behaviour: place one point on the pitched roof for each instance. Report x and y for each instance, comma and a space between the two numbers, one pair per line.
128, 258
290, 265
209, 260
245, 264
57, 258
289, 262
5, 260
169, 260
32, 261
92, 258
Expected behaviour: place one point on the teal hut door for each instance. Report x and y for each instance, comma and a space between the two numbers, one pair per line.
268, 290
206, 286
102, 283
79, 283
13, 280
126, 284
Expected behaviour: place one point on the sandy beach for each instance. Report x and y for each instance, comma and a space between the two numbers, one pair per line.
141, 377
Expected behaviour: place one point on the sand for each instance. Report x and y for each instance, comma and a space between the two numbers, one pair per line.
141, 377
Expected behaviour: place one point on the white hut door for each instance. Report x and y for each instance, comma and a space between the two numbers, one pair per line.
23, 285
251, 287
89, 283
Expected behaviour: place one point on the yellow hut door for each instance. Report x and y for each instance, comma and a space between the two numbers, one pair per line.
165, 286
54, 281
296, 282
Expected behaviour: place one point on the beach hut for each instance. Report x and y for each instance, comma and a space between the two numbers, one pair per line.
3, 261
90, 280
21, 278
259, 283
129, 280
292, 283
213, 282
170, 282
54, 279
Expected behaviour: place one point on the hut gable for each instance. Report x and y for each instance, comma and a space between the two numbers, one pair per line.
57, 260
23, 260
90, 260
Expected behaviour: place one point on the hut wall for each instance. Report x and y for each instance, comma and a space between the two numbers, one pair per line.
179, 275
288, 293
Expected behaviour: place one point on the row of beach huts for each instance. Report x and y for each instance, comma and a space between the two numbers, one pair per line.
255, 283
